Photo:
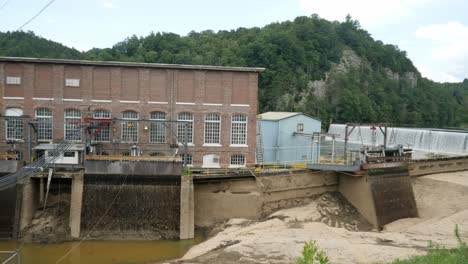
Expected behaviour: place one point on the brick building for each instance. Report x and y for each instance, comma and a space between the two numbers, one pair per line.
219, 104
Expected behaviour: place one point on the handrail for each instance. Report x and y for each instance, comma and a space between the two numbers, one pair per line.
131, 158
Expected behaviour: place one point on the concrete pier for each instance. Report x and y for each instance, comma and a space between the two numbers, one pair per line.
187, 208
28, 203
75, 205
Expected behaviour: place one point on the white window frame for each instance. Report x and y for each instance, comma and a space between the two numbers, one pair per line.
104, 135
212, 130
70, 130
45, 131
157, 129
13, 80
236, 130
14, 125
187, 117
70, 82
129, 129
237, 161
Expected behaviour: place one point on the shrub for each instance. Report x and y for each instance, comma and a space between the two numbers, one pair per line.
311, 254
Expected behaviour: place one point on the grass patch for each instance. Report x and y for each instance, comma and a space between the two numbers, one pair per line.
441, 255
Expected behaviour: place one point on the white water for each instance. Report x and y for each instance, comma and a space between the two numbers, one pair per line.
427, 140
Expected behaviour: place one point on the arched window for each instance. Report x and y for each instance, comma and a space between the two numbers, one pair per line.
237, 161
157, 129
72, 128
212, 129
104, 133
44, 127
14, 124
129, 127
239, 130
185, 127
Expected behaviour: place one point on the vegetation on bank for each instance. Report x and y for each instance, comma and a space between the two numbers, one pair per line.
384, 86
439, 255
311, 254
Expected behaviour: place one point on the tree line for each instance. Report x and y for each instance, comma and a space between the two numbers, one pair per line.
294, 53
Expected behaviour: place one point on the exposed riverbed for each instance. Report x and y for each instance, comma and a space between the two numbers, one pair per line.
442, 201
103, 252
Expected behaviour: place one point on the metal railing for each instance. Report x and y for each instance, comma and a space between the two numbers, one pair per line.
39, 165
14, 256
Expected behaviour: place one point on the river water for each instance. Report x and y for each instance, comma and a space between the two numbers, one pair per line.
102, 252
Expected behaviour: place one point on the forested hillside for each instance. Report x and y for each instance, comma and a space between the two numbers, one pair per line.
335, 71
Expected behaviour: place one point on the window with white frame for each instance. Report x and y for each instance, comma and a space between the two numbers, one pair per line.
72, 127
213, 129
44, 126
129, 128
185, 127
239, 130
104, 133
157, 129
189, 158
237, 161
72, 82
13, 80
14, 124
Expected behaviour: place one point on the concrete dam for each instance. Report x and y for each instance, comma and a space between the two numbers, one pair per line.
126, 199
425, 140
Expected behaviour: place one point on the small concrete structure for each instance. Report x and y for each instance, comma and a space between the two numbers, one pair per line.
73, 155
286, 137
383, 194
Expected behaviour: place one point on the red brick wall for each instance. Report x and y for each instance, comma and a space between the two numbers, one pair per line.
101, 83
73, 72
14, 70
223, 92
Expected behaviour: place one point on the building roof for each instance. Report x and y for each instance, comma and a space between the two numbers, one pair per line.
54, 146
130, 64
275, 116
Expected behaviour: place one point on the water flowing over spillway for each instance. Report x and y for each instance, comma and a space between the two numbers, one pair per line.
426, 140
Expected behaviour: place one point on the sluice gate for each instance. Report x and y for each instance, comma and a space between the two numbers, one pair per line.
8, 198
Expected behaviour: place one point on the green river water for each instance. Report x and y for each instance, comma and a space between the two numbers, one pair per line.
102, 252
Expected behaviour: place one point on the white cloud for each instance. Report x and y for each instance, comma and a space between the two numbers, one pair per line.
448, 49
371, 13
108, 5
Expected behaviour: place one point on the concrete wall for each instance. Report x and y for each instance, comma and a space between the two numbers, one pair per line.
357, 191
220, 201
153, 168
423, 167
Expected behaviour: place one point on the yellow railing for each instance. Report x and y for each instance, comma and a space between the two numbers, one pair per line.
130, 158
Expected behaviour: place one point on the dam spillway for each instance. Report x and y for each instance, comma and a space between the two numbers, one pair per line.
420, 139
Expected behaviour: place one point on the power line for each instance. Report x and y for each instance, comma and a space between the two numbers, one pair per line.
34, 17
4, 4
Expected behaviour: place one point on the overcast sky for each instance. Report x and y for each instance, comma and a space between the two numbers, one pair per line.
433, 32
